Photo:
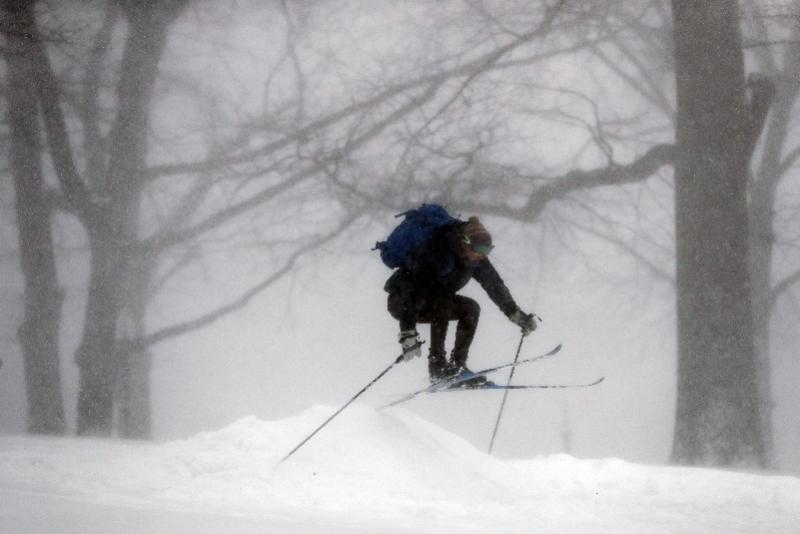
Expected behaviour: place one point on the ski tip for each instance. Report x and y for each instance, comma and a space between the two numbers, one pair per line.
598, 381
555, 349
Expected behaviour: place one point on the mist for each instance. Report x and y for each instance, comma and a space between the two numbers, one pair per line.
278, 142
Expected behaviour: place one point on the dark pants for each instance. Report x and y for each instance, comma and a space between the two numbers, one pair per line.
438, 311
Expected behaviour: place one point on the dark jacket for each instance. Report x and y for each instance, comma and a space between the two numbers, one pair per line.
435, 269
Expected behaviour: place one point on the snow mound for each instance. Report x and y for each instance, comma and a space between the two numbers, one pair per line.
371, 471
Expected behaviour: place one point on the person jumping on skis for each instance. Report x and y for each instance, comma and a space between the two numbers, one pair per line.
424, 289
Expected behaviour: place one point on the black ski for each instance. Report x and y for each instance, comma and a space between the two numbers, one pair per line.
519, 386
452, 383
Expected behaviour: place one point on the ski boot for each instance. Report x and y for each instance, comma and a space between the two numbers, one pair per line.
476, 381
438, 368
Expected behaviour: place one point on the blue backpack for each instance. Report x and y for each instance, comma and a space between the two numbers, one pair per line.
416, 228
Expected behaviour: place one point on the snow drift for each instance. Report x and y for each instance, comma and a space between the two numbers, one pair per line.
367, 471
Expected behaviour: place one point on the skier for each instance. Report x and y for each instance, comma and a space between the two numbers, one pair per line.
423, 290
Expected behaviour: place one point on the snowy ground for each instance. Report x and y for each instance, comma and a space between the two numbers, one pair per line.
368, 471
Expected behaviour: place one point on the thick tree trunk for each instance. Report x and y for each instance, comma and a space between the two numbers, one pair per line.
135, 415
718, 412
113, 236
38, 333
96, 356
133, 388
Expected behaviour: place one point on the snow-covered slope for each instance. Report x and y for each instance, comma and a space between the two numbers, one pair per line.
367, 471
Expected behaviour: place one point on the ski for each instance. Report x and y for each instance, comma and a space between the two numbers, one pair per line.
520, 386
450, 383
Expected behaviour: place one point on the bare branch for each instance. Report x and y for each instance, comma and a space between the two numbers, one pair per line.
648, 89
781, 287
243, 300
558, 188
58, 137
641, 169
655, 269
223, 216
291, 48
762, 95
773, 165
756, 44
89, 110
790, 159
489, 61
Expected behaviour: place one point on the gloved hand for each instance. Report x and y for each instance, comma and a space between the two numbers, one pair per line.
409, 340
526, 321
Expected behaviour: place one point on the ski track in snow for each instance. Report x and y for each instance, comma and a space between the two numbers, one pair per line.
368, 471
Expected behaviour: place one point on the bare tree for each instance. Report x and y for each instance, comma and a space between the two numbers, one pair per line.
773, 43
770, 170
725, 426
109, 213
106, 195
38, 333
435, 123
718, 413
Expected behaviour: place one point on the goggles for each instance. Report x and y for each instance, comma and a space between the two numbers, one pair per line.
478, 248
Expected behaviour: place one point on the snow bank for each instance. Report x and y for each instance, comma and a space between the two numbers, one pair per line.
367, 471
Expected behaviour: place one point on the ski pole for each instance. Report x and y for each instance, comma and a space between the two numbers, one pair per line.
348, 403
505, 395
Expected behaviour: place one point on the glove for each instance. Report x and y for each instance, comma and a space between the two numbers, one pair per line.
526, 321
409, 340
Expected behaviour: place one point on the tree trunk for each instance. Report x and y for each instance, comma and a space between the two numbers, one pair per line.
135, 364
38, 333
717, 415
762, 210
761, 240
113, 236
96, 354
135, 415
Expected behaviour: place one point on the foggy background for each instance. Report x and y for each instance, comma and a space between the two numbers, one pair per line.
596, 265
